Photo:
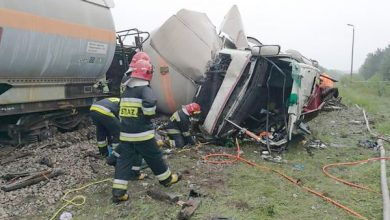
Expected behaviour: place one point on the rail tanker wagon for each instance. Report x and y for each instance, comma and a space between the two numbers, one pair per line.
52, 52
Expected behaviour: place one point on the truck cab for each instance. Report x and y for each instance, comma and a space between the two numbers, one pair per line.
263, 92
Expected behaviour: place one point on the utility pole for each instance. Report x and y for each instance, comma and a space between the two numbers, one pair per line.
353, 40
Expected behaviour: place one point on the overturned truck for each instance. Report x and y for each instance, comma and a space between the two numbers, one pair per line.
236, 79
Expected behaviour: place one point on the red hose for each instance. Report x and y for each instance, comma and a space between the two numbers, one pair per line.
296, 182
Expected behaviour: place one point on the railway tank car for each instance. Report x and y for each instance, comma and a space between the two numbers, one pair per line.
52, 52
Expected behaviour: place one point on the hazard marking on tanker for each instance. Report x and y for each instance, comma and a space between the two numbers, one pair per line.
166, 84
96, 47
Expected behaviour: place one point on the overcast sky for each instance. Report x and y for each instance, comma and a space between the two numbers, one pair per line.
316, 28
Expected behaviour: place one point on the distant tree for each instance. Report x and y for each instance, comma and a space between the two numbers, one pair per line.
372, 64
384, 69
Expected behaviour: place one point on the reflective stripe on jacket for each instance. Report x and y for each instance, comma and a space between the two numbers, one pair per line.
107, 106
137, 107
179, 123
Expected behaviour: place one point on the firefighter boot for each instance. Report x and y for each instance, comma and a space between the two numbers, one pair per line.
111, 160
103, 151
174, 178
118, 199
138, 175
141, 176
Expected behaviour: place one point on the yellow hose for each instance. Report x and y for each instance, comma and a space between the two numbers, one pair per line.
78, 197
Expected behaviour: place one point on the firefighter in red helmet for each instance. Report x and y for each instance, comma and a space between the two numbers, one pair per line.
138, 56
137, 107
179, 125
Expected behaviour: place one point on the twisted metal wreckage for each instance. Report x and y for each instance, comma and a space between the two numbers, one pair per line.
236, 79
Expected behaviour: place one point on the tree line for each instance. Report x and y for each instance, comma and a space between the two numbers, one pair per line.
377, 62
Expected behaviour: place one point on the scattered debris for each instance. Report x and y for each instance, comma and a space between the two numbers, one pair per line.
94, 167
334, 104
66, 216
220, 218
33, 179
188, 208
368, 144
356, 122
276, 159
317, 144
46, 161
10, 176
3, 214
47, 145
93, 154
162, 196
298, 167
15, 157
194, 193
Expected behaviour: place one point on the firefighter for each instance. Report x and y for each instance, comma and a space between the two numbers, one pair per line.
104, 114
126, 77
178, 127
137, 107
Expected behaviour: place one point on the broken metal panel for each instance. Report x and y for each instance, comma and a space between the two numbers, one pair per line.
305, 78
211, 83
233, 27
238, 104
236, 68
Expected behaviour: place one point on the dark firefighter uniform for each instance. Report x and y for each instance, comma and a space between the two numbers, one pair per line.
104, 114
178, 129
137, 107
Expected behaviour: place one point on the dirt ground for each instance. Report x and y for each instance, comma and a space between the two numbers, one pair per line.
232, 191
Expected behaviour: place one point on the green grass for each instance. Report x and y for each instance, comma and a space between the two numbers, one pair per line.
373, 95
240, 191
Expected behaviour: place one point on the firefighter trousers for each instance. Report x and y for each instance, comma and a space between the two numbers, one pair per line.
129, 162
180, 140
107, 129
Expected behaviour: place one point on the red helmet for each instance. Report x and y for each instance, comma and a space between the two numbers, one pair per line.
139, 56
193, 108
142, 70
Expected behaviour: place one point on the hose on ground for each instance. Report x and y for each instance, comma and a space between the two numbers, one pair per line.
77, 200
296, 182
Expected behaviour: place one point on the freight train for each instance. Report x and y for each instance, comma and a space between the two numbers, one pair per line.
53, 56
